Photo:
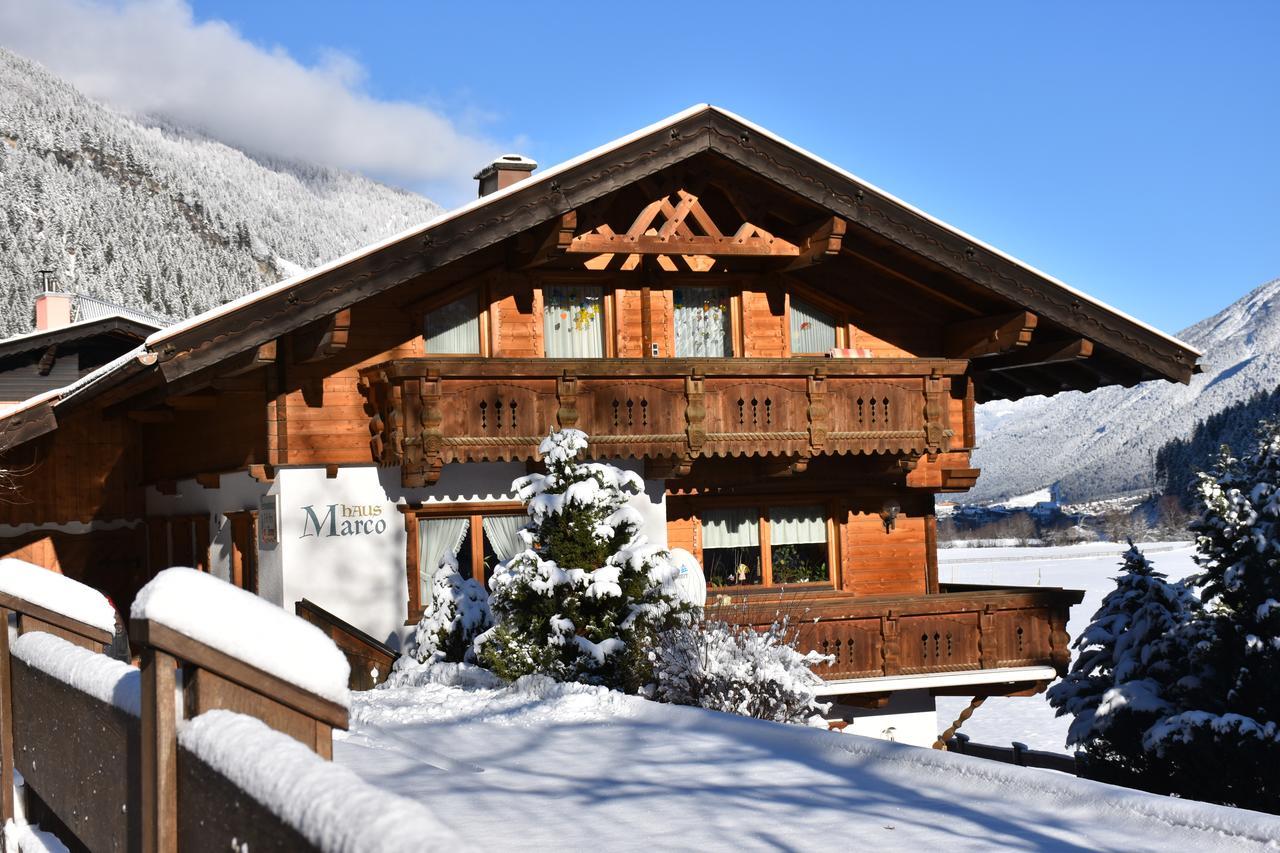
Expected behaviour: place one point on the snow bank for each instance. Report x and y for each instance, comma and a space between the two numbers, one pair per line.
247, 627
58, 593
572, 766
328, 804
101, 677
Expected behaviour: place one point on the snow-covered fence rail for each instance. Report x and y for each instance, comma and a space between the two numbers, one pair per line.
1016, 753
370, 660
109, 763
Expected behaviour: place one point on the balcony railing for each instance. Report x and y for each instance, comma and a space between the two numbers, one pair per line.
960, 629
427, 412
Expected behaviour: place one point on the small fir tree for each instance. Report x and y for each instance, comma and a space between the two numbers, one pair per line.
1116, 688
587, 599
1223, 743
457, 613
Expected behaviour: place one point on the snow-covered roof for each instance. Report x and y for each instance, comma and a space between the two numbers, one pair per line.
548, 179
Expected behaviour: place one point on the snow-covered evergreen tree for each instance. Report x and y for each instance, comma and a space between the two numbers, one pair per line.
586, 601
1224, 740
457, 613
739, 670
1116, 688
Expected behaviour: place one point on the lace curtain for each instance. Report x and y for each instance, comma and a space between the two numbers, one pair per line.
501, 531
573, 324
797, 525
702, 322
437, 537
812, 330
454, 329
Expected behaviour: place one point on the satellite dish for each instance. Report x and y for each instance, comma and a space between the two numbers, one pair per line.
690, 585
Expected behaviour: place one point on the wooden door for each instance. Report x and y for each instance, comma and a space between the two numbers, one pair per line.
244, 549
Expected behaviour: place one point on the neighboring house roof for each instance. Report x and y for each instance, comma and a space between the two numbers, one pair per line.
116, 325
246, 323
92, 308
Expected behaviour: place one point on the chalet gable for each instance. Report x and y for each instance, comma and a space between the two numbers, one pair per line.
702, 191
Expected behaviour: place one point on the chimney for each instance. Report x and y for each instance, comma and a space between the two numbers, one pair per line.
504, 172
53, 309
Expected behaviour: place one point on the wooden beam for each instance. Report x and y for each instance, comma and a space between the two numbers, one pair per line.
159, 752
151, 416
1049, 352
251, 359
262, 473
48, 360
209, 481
325, 339
712, 247
985, 336
193, 402
823, 243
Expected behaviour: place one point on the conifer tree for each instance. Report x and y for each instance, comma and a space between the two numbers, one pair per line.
1223, 742
1116, 688
588, 597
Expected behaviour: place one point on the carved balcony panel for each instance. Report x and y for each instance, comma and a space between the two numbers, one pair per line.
426, 413
960, 629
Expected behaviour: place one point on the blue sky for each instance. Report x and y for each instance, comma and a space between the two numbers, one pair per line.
1127, 148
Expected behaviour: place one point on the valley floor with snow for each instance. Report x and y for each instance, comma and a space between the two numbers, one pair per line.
1090, 567
537, 765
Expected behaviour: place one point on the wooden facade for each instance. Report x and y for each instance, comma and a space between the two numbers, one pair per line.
853, 338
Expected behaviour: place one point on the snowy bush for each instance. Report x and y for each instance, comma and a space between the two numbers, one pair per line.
457, 614
1223, 739
739, 670
1116, 688
586, 600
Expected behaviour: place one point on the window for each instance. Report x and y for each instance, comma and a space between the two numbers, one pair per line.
751, 547
474, 543
454, 328
813, 331
573, 322
703, 327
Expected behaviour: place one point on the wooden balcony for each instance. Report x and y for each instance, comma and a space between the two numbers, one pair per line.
962, 628
427, 412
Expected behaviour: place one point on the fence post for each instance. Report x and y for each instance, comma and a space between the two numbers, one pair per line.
159, 753
1019, 754
6, 723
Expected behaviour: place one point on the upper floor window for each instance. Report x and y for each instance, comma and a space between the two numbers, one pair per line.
703, 327
813, 331
454, 328
573, 322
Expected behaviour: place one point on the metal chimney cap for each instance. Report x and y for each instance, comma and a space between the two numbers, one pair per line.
507, 163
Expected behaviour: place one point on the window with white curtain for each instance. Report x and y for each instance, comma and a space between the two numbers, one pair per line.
440, 541
702, 322
731, 547
474, 543
798, 544
454, 328
797, 551
573, 322
812, 329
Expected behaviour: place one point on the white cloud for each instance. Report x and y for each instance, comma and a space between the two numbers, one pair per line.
152, 57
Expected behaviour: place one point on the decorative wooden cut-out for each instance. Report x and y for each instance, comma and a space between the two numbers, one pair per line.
678, 234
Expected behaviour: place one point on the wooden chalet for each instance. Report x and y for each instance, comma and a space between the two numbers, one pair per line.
788, 355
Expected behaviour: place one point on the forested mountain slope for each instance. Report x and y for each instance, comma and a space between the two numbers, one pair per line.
156, 218
1105, 442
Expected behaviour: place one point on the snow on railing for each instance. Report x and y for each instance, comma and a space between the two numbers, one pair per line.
54, 592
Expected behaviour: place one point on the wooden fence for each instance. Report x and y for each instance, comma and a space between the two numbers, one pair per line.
107, 773
1017, 753
369, 659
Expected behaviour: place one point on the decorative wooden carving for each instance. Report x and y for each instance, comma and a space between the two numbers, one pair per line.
986, 336
823, 243
328, 338
677, 231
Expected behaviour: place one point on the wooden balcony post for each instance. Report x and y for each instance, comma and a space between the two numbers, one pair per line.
934, 415
988, 653
1059, 640
695, 412
567, 397
818, 412
891, 645
159, 753
6, 723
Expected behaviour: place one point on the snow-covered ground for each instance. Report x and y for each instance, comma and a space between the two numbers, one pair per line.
1090, 567
543, 766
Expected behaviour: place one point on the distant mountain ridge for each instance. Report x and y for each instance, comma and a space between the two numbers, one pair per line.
1105, 442
159, 218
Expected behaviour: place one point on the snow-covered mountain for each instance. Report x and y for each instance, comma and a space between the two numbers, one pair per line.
157, 218
1104, 443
